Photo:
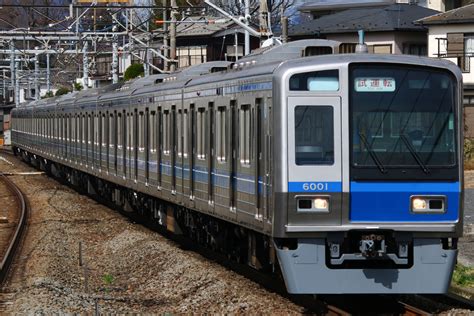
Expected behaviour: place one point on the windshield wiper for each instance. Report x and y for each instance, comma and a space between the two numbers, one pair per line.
414, 154
372, 153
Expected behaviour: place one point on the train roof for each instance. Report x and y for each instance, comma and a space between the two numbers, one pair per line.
336, 60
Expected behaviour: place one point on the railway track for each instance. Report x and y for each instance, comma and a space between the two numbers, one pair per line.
13, 241
322, 304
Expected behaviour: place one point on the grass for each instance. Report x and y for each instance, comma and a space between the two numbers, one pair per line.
463, 276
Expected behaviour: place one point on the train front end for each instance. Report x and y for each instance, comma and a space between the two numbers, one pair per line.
369, 174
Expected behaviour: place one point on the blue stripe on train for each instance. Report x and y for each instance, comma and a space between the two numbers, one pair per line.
390, 202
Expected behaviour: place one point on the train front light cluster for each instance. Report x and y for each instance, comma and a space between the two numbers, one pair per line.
428, 204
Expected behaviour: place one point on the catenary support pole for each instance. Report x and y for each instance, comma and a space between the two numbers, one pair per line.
247, 22
173, 36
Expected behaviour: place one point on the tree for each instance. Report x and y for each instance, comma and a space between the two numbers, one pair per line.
133, 71
62, 90
275, 8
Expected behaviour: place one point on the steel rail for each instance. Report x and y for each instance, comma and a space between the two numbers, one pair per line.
14, 245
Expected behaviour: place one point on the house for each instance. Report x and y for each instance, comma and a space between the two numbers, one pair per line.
389, 28
221, 39
318, 8
451, 36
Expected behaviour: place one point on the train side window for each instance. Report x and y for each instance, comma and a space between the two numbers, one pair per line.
314, 135
84, 128
221, 132
166, 132
201, 134
245, 137
326, 80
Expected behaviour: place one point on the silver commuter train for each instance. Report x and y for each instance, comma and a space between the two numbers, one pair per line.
343, 171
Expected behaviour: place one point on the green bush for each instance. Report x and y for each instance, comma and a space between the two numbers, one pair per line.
133, 71
62, 90
78, 86
48, 94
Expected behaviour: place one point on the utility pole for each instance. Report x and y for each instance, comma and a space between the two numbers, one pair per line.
284, 26
264, 21
165, 35
146, 68
115, 78
173, 35
85, 66
48, 74
17, 84
12, 63
36, 78
247, 22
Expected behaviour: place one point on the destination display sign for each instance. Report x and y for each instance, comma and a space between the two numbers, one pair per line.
374, 84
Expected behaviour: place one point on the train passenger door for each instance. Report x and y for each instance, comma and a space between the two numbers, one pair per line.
314, 161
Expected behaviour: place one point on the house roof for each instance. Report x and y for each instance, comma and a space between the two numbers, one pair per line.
324, 5
204, 29
395, 17
460, 15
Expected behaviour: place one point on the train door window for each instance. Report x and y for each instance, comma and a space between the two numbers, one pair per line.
221, 134
84, 128
314, 140
90, 130
119, 131
103, 128
112, 127
141, 133
185, 133
245, 137
152, 132
72, 127
179, 126
166, 132
96, 130
201, 134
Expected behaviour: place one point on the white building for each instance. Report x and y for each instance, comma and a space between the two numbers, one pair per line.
451, 36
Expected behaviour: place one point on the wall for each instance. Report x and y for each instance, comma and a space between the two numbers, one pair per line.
377, 38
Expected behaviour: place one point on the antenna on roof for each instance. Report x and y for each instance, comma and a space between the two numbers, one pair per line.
361, 48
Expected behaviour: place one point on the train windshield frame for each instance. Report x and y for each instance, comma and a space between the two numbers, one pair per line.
403, 122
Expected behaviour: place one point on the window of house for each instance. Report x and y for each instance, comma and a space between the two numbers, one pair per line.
191, 55
415, 49
381, 49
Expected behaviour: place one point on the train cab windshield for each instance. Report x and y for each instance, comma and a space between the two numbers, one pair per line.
402, 122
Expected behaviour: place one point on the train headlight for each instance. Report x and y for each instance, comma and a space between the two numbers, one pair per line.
418, 204
321, 204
